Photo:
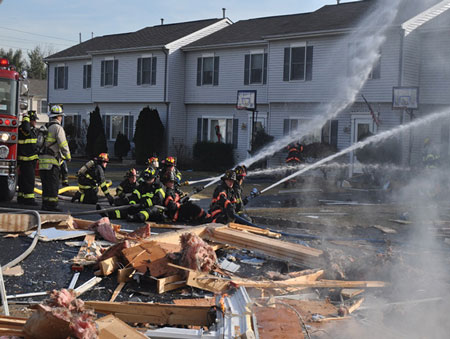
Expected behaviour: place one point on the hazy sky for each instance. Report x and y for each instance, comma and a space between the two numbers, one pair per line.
56, 24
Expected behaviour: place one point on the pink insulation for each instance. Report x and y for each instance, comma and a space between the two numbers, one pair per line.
104, 229
141, 233
197, 254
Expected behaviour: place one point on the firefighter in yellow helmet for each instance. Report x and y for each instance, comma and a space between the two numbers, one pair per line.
91, 176
55, 149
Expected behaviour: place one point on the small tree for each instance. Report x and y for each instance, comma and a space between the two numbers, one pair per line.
149, 135
37, 68
96, 138
121, 146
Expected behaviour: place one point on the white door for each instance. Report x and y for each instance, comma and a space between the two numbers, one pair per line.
361, 125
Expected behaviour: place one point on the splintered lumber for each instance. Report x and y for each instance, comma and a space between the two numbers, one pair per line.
170, 283
110, 327
294, 253
155, 314
308, 278
117, 291
167, 226
385, 229
85, 256
109, 266
25, 222
350, 293
254, 230
87, 285
204, 281
12, 326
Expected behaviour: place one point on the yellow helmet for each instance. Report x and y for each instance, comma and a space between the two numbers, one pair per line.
56, 110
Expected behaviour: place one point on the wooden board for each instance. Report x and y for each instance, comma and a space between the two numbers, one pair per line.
80, 260
207, 282
158, 314
114, 328
254, 230
350, 292
170, 283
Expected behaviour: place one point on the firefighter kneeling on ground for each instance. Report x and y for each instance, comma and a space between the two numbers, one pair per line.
144, 201
241, 173
90, 176
293, 158
151, 163
169, 165
126, 188
180, 208
223, 202
27, 157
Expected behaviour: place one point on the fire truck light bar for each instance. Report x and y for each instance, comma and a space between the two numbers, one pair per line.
4, 62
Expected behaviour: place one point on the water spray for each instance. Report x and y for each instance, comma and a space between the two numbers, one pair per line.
371, 140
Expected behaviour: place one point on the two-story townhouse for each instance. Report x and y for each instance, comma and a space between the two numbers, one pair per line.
123, 73
37, 98
297, 63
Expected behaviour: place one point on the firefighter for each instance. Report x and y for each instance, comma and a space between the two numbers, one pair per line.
55, 149
430, 155
91, 176
126, 188
64, 173
241, 173
27, 157
144, 199
180, 208
169, 165
223, 204
293, 158
152, 162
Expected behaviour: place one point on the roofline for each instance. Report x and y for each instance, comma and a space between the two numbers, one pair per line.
77, 57
125, 50
307, 34
233, 44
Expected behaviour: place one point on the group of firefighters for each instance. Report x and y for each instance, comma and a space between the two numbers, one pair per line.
153, 195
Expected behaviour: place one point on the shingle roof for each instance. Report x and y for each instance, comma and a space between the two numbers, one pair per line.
38, 87
330, 17
146, 37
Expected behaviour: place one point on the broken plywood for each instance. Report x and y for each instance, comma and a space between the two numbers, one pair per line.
170, 283
25, 222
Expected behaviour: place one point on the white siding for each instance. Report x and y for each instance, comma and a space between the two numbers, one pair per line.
411, 60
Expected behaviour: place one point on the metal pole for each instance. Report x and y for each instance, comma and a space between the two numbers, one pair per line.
3, 293
253, 128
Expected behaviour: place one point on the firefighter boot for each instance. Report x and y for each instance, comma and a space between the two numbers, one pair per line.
138, 217
76, 196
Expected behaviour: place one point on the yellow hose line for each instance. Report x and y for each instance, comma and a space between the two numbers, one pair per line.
68, 188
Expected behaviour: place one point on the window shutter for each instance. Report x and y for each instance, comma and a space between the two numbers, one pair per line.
153, 81
205, 130
334, 133
66, 77
56, 78
265, 69
139, 71
287, 60
199, 129
199, 71
78, 124
235, 132
247, 69
216, 71
126, 123
84, 76
116, 72
108, 127
102, 75
285, 126
89, 76
309, 63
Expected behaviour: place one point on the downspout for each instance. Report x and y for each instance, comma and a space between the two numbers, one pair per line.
48, 81
166, 52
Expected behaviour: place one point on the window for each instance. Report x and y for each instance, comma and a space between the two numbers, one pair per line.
61, 79
354, 52
146, 71
298, 62
43, 108
327, 134
87, 70
72, 125
109, 73
115, 123
255, 68
208, 71
218, 129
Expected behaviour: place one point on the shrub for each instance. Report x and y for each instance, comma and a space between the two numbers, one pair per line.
121, 146
149, 135
213, 156
260, 140
96, 138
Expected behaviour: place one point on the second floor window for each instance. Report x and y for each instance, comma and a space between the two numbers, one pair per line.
355, 51
146, 71
61, 79
208, 71
109, 73
87, 70
298, 62
255, 68
43, 107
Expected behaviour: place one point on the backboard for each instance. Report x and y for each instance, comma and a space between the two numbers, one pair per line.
246, 100
405, 97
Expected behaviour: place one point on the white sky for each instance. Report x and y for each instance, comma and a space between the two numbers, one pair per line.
56, 24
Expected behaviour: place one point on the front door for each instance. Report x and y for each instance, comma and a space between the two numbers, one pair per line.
361, 125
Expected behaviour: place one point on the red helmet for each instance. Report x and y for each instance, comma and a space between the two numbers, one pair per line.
171, 161
131, 173
103, 157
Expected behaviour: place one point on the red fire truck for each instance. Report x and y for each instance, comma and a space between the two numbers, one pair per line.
10, 91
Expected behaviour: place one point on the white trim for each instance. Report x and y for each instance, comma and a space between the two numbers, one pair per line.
147, 55
88, 63
298, 44
109, 58
363, 118
61, 65
256, 51
207, 55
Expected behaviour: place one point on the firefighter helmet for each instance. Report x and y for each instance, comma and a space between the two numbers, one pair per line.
55, 111
153, 161
149, 173
32, 115
169, 176
103, 157
241, 171
426, 141
131, 173
170, 161
229, 175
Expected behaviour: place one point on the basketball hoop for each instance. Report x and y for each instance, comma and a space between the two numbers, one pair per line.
405, 98
246, 100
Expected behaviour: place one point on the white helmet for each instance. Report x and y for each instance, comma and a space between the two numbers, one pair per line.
55, 111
